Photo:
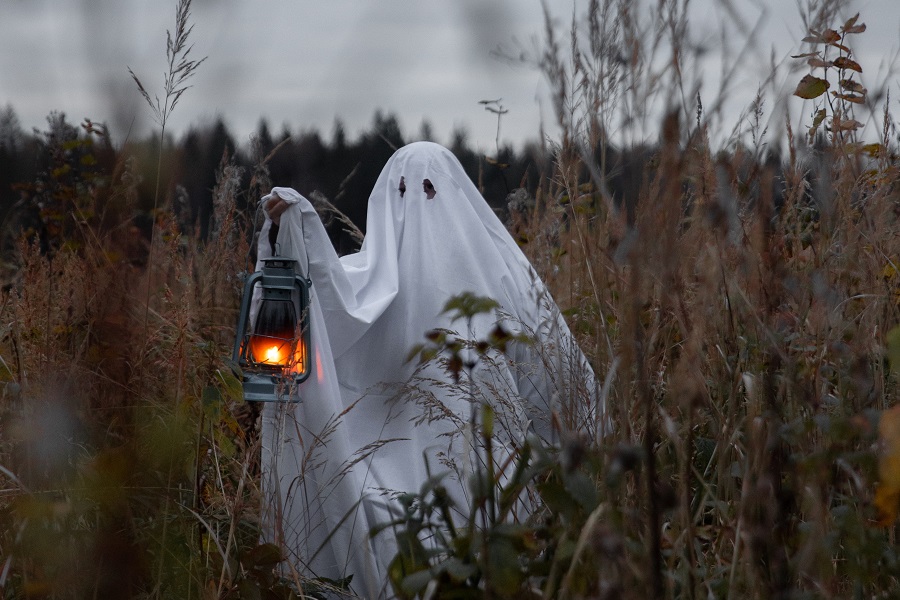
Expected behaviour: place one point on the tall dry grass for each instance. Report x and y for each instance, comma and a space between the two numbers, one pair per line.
736, 307
127, 458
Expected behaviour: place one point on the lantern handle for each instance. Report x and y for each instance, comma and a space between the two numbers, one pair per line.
246, 297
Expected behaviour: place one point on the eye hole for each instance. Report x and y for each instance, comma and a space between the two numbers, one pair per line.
402, 186
428, 188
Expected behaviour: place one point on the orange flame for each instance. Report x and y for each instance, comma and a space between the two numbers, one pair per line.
277, 352
269, 351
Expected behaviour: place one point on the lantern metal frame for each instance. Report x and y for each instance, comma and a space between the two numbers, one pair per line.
263, 381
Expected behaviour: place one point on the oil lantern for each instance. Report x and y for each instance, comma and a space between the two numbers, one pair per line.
273, 350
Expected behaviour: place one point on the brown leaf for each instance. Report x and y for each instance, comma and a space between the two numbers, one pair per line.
820, 116
817, 120
818, 62
842, 62
811, 87
851, 27
887, 494
831, 36
855, 99
853, 86
805, 55
845, 125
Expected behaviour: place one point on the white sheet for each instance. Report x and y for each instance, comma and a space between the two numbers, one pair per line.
366, 415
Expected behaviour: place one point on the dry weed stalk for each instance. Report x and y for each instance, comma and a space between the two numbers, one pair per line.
180, 69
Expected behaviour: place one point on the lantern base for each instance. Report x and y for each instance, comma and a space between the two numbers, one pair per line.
267, 388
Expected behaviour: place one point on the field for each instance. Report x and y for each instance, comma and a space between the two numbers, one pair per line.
739, 304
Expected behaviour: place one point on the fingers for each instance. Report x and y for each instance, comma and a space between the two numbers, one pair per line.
275, 207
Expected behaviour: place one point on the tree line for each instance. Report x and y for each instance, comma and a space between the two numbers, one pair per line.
48, 175
53, 179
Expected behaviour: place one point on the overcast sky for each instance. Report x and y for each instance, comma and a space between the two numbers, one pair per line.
304, 63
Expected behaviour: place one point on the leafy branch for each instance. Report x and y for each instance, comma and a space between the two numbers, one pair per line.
850, 91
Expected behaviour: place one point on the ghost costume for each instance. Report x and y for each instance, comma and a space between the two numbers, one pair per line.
369, 422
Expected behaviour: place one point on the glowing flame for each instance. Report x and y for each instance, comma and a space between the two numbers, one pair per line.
272, 355
286, 353
272, 351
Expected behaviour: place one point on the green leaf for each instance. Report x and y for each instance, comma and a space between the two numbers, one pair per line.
893, 349
212, 402
582, 489
225, 444
414, 352
873, 150
557, 498
415, 583
231, 385
458, 570
505, 573
468, 305
411, 558
811, 87
487, 420
6, 373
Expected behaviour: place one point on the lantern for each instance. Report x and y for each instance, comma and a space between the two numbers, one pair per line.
274, 350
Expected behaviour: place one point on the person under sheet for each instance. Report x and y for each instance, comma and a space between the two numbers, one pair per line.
369, 422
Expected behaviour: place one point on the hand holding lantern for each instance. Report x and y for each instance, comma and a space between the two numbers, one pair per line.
274, 207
